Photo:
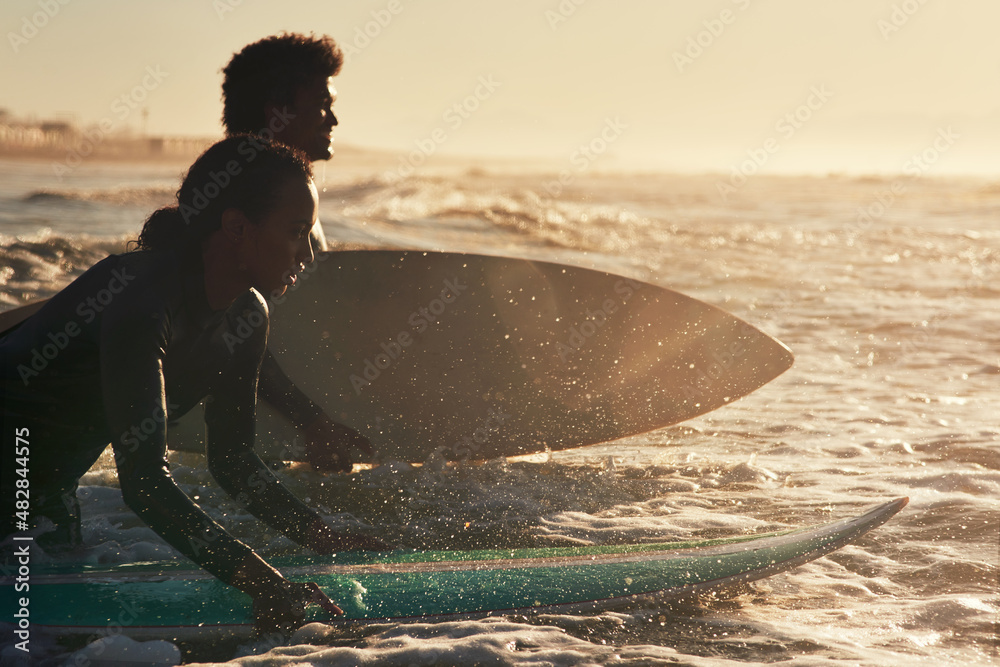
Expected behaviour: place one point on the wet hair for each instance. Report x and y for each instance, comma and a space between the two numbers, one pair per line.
242, 172
271, 71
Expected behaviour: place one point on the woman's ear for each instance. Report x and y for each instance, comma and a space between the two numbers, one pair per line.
235, 225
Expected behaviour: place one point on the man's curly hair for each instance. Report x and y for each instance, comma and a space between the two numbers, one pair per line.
271, 70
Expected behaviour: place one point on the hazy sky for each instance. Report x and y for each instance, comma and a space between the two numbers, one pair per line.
859, 85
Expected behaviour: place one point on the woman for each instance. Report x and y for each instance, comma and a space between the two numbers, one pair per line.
143, 337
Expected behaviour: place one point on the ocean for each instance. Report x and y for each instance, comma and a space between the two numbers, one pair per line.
884, 287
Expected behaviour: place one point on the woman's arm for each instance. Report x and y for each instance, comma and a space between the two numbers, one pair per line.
231, 420
279, 391
133, 346
328, 443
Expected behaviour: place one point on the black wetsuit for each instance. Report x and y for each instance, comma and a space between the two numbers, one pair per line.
127, 347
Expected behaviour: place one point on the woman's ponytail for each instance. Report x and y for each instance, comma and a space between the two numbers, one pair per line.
163, 230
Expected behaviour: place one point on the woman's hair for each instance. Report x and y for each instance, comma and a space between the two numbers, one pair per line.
242, 172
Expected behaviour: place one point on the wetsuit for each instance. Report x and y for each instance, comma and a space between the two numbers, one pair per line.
127, 347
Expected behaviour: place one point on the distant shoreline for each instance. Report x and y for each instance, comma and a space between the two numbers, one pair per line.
181, 152
72, 153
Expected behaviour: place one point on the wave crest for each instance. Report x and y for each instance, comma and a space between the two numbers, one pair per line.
141, 196
39, 266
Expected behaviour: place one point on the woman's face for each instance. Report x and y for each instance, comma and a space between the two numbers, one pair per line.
278, 246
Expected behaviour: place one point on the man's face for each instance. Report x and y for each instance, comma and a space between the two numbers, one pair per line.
310, 128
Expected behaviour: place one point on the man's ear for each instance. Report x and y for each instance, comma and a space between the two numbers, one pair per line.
276, 117
235, 225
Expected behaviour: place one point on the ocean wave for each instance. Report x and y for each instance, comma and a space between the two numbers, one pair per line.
151, 195
351, 190
40, 265
516, 210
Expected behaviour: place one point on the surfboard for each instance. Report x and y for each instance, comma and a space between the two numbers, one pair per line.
476, 357
11, 318
174, 600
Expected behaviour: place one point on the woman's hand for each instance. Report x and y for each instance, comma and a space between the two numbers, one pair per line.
279, 605
283, 608
328, 445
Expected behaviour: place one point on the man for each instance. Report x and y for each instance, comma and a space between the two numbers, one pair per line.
281, 87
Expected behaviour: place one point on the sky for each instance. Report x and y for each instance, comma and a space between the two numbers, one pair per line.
784, 86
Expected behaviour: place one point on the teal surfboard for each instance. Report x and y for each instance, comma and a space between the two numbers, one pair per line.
175, 600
